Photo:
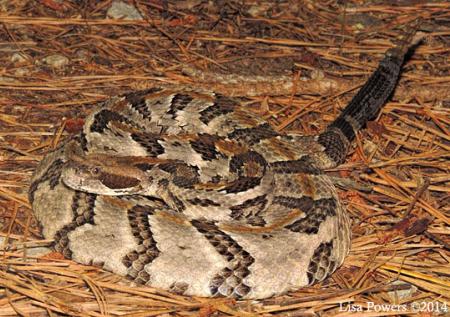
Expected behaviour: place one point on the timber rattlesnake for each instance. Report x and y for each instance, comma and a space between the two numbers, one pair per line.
186, 191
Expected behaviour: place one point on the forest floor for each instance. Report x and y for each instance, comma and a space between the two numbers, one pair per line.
296, 64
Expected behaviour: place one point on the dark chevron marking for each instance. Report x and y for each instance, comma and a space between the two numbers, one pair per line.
321, 263
146, 250
137, 96
253, 135
304, 203
249, 210
205, 146
144, 166
183, 175
149, 142
138, 101
222, 106
315, 212
83, 142
185, 182
240, 163
229, 282
179, 102
176, 202
242, 184
336, 146
52, 175
103, 117
141, 107
83, 205
303, 165
203, 202
170, 167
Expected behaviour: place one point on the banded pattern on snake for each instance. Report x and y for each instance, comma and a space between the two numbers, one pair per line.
186, 191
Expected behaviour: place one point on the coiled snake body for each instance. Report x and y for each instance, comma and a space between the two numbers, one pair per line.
186, 191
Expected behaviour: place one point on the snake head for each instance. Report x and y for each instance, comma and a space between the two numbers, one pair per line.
103, 174
95, 177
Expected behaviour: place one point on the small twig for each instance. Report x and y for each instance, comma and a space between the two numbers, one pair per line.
433, 237
419, 193
348, 183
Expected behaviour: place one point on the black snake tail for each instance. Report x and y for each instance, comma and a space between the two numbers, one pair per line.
365, 105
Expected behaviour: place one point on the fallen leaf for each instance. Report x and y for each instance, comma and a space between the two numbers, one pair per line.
74, 125
52, 256
376, 128
52, 5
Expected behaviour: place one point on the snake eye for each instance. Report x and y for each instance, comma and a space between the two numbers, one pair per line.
95, 171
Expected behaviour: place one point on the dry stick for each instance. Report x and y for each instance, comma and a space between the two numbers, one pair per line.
422, 126
58, 134
419, 193
396, 184
411, 160
438, 123
25, 153
104, 310
15, 284
98, 293
11, 303
27, 244
11, 223
183, 49
422, 276
12, 37
401, 197
412, 184
321, 296
434, 238
363, 272
414, 146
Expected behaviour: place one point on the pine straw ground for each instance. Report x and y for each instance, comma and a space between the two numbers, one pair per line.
310, 58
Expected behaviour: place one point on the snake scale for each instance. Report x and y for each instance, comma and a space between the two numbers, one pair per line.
186, 191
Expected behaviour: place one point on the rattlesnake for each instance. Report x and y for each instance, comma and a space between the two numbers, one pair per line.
185, 190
